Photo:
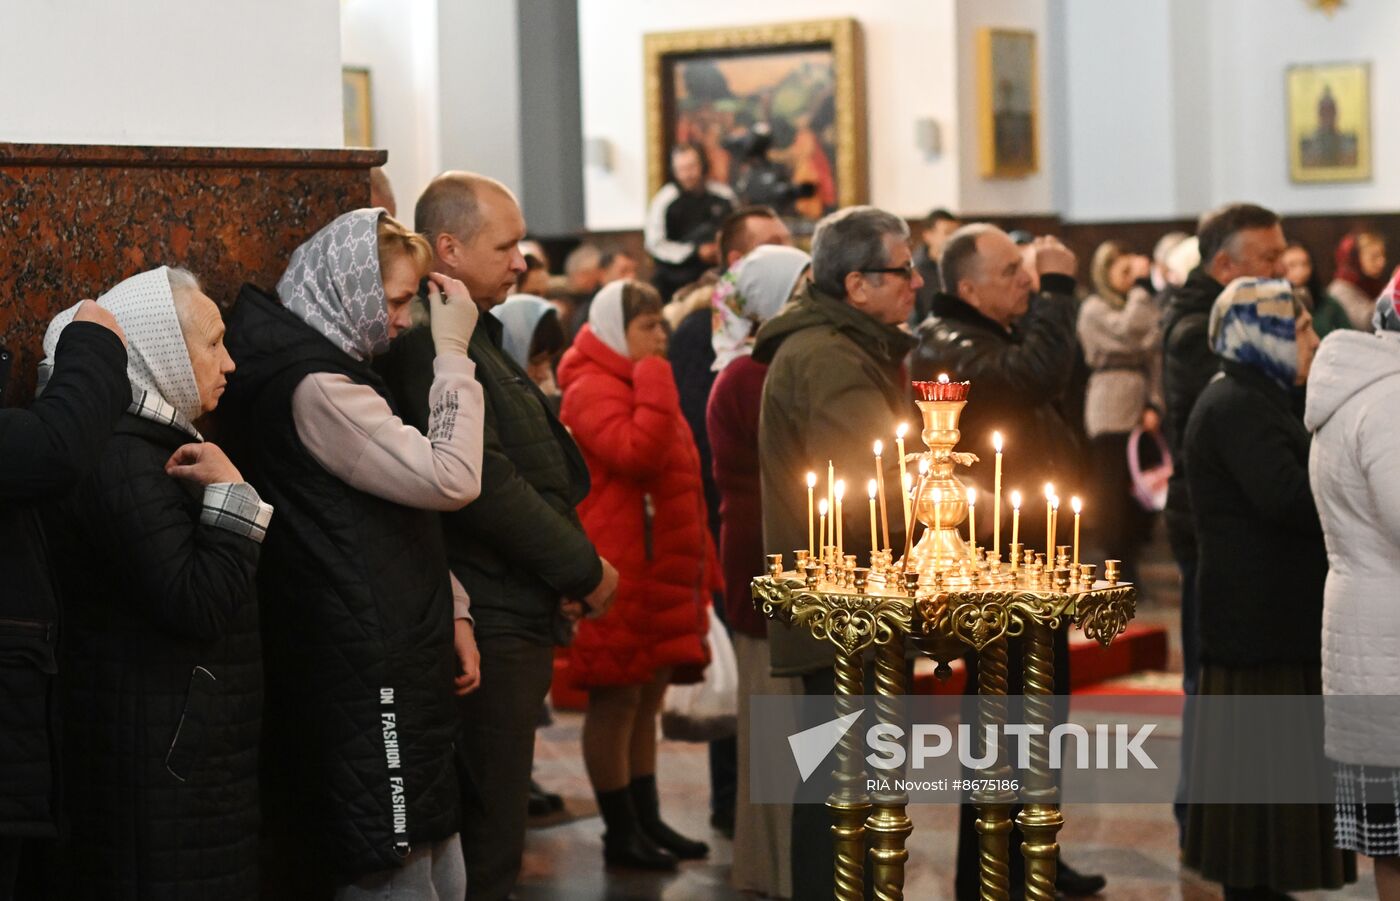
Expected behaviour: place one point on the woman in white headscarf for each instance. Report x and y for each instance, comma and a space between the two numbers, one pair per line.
359, 604
533, 337
747, 296
646, 514
161, 668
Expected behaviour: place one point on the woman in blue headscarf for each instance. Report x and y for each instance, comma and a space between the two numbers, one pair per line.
1262, 568
532, 336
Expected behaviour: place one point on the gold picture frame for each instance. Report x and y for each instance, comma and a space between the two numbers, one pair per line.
823, 58
358, 108
1329, 122
1008, 103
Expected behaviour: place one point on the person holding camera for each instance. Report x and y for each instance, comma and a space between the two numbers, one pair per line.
682, 220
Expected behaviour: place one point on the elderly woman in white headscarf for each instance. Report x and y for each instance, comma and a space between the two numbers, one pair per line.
358, 602
747, 296
161, 664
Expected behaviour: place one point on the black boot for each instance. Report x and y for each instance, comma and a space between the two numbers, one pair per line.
1075, 884
543, 803
648, 807
625, 844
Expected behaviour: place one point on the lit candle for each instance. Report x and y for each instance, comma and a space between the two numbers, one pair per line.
822, 508
873, 546
811, 521
972, 525
1015, 528
880, 481
1049, 519
1076, 506
840, 536
996, 511
829, 539
937, 525
1054, 527
899, 433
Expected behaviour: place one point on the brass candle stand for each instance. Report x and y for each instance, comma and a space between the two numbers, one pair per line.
941, 601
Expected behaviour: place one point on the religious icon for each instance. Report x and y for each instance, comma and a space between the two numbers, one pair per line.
1329, 122
1008, 108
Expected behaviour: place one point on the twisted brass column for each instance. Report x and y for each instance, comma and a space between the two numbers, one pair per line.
889, 826
1040, 819
993, 807
849, 804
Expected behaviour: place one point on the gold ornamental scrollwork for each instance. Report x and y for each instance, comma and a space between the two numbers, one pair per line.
1103, 615
852, 623
774, 597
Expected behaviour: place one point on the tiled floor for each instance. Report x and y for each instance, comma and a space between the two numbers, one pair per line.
1133, 845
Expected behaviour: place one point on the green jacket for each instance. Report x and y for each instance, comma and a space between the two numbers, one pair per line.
834, 385
519, 547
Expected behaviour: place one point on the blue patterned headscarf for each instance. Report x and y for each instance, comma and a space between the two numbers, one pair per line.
333, 284
1254, 322
1387, 316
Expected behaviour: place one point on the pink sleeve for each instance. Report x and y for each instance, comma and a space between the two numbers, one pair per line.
461, 601
351, 431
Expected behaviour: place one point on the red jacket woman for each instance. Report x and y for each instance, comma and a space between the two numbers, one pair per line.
645, 514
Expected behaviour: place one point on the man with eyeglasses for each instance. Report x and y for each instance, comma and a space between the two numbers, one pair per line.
1016, 343
834, 385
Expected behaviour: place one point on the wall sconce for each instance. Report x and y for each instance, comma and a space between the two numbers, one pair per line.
928, 137
597, 153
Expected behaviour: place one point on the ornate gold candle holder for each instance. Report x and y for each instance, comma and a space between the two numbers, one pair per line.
943, 604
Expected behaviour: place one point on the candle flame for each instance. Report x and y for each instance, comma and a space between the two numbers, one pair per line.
811, 480
996, 441
879, 447
871, 488
901, 430
1054, 502
908, 481
822, 506
1049, 490
840, 489
972, 497
1074, 502
943, 378
1015, 500
923, 466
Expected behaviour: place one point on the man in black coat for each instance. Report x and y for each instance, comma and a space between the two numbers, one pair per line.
518, 549
44, 452
1017, 347
1236, 241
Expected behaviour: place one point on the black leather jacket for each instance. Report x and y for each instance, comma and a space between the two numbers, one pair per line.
1019, 378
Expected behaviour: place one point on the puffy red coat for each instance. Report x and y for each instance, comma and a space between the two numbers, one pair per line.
645, 514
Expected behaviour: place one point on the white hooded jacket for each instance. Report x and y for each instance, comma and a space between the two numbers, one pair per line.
1354, 413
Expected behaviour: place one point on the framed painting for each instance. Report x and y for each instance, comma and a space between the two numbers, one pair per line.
1329, 122
1008, 106
355, 98
778, 109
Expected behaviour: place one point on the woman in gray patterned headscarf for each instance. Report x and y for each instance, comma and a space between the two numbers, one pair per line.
362, 615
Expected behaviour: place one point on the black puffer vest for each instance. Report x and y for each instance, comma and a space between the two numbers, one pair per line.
357, 618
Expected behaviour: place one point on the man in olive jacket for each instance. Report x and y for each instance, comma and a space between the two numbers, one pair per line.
834, 386
518, 549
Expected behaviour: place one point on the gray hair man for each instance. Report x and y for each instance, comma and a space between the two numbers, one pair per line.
833, 386
518, 549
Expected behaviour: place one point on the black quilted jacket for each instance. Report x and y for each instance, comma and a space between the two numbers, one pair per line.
44, 451
357, 622
518, 548
161, 682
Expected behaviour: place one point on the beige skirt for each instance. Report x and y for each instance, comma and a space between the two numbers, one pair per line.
762, 832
